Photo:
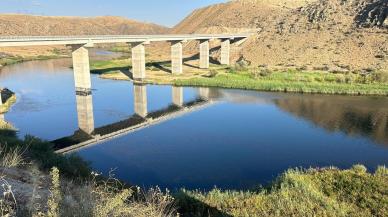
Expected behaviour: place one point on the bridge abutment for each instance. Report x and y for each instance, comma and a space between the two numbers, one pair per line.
204, 54
177, 96
138, 61
225, 51
176, 57
140, 99
81, 68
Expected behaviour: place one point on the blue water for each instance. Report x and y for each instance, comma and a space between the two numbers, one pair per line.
241, 140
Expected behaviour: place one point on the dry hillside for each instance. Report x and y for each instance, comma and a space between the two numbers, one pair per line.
23, 25
44, 25
337, 35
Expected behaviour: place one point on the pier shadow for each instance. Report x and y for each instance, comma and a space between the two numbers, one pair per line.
125, 70
160, 65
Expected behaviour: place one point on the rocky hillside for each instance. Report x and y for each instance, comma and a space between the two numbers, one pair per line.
336, 35
43, 25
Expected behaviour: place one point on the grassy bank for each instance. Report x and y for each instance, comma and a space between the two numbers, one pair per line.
295, 81
38, 182
19, 59
352, 83
327, 192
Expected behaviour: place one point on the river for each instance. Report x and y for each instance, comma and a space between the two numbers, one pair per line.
239, 140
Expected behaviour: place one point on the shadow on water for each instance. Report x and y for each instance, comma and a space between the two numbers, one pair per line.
354, 116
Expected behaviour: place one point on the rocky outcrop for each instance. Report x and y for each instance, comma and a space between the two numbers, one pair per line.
373, 13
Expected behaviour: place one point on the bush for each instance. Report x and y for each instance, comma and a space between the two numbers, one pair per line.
380, 76
340, 78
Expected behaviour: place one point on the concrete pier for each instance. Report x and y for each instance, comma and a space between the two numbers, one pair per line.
140, 99
204, 54
176, 57
225, 51
81, 69
85, 112
138, 61
177, 96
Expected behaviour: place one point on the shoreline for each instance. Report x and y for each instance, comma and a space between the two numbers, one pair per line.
293, 81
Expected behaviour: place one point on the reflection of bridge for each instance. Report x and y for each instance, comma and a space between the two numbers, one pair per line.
80, 53
88, 135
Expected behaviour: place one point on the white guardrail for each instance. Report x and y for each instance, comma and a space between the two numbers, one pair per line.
64, 40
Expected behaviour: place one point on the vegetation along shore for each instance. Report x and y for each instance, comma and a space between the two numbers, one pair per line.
255, 78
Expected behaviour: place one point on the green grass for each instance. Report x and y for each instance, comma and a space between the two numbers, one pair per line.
121, 49
18, 59
114, 66
327, 192
296, 81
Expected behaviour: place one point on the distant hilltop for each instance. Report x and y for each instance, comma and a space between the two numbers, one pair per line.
330, 35
31, 25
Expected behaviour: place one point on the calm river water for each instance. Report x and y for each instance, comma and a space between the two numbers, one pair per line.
240, 140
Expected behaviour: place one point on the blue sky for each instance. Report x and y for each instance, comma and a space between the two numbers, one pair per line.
165, 12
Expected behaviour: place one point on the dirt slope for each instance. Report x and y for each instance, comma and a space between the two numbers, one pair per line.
44, 25
336, 35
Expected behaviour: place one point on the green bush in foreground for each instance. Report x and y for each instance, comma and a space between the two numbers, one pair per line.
326, 192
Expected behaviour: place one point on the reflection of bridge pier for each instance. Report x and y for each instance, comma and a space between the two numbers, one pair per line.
204, 93
177, 96
140, 99
131, 124
85, 112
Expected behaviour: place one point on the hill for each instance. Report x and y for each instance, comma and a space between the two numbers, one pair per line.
20, 25
334, 35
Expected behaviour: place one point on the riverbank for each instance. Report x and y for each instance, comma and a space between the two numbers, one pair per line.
10, 56
68, 187
238, 77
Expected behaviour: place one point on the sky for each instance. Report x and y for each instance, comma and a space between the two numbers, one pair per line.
164, 12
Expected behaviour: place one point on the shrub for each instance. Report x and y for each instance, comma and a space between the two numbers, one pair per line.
340, 78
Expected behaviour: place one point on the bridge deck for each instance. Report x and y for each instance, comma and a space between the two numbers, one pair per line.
10, 41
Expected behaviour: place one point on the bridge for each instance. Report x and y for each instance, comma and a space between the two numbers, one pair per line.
87, 135
80, 54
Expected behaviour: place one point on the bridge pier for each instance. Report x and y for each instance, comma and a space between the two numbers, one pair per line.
85, 112
204, 54
176, 57
80, 56
225, 51
140, 98
138, 61
177, 96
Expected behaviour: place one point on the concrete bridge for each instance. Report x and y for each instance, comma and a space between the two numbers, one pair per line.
80, 54
87, 135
